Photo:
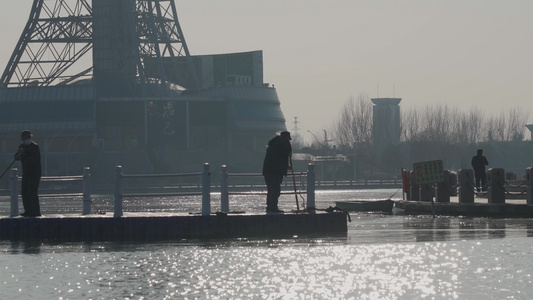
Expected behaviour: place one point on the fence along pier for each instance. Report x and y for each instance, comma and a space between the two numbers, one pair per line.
123, 226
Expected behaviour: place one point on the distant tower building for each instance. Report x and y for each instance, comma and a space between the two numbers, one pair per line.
386, 121
297, 142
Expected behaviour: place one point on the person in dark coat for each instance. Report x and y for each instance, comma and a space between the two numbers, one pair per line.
29, 156
275, 166
478, 164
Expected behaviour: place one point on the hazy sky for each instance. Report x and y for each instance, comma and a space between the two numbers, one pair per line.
318, 53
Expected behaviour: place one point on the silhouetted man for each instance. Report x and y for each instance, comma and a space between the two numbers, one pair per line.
478, 163
30, 157
275, 167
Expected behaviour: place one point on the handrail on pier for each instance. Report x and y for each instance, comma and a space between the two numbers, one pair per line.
205, 193
86, 189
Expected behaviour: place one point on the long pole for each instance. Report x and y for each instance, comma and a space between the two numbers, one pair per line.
294, 183
7, 168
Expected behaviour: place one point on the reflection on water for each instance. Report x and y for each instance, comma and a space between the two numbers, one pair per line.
273, 269
381, 257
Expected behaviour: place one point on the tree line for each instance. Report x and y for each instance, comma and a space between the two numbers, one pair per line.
439, 123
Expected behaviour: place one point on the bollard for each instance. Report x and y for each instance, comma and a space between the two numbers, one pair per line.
453, 183
529, 188
496, 180
466, 185
426, 192
311, 187
14, 193
443, 191
414, 188
224, 192
206, 191
118, 192
87, 191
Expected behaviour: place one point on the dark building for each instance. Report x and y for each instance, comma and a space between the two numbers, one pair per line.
142, 101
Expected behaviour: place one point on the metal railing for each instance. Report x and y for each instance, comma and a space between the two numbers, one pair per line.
205, 193
119, 195
85, 194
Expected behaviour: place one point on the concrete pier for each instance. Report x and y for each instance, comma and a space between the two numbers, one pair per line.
154, 227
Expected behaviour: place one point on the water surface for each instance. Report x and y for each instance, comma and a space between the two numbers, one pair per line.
381, 257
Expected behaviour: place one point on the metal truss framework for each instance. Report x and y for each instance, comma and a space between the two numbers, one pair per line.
54, 46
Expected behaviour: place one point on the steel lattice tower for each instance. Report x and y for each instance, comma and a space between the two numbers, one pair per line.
132, 42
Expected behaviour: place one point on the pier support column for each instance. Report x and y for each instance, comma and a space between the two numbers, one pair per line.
443, 192
466, 185
14, 184
529, 188
224, 191
414, 187
311, 187
496, 180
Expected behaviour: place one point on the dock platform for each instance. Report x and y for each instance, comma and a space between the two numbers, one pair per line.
171, 226
510, 209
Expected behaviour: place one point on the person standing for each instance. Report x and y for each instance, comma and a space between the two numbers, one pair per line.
29, 156
275, 166
478, 163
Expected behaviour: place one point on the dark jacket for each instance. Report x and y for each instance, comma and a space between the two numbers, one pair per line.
30, 160
277, 156
478, 163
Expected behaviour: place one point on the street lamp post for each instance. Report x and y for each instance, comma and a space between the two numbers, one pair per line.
317, 140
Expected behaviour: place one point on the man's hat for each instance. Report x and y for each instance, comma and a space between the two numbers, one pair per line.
26, 133
287, 134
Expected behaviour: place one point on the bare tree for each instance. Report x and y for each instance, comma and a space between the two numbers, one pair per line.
354, 124
515, 124
410, 126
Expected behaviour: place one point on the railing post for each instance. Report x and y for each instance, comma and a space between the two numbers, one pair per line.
206, 191
224, 192
311, 187
87, 191
14, 193
118, 192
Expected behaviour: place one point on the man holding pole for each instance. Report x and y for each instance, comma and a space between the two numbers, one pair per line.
275, 166
29, 156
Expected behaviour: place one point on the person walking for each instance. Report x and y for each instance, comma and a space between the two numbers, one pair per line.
29, 156
275, 166
478, 164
